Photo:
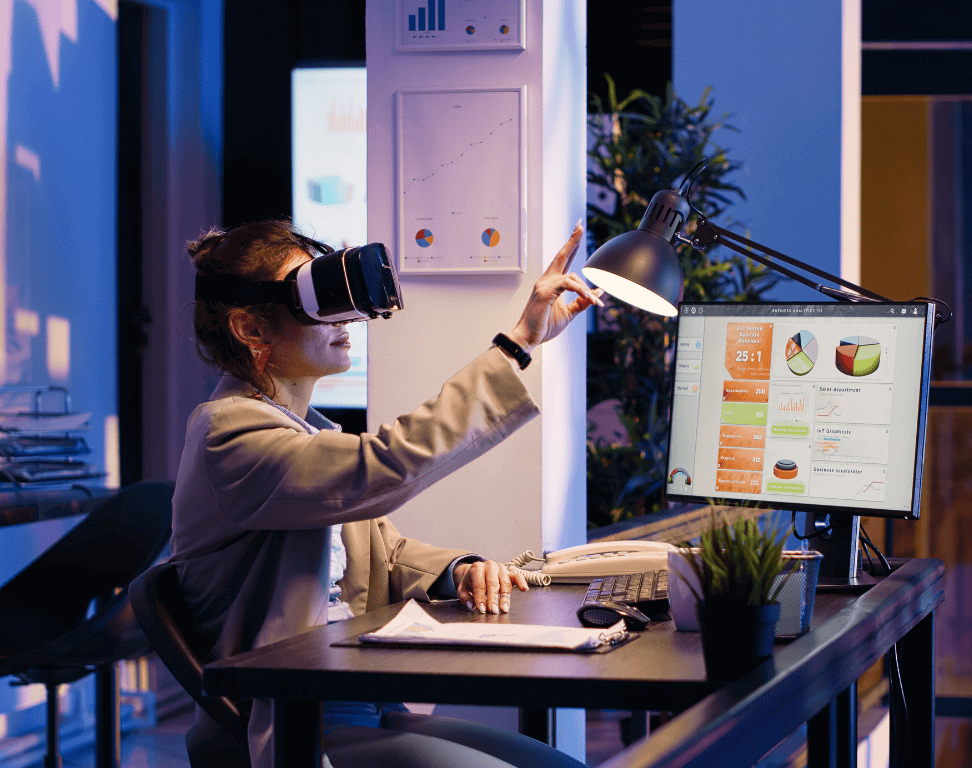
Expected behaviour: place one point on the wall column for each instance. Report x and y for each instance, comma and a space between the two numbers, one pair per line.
530, 492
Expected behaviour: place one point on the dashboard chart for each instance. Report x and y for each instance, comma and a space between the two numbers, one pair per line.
799, 405
801, 353
858, 356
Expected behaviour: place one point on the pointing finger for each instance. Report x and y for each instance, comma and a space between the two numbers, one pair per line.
562, 260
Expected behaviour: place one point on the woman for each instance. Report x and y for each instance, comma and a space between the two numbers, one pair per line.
278, 517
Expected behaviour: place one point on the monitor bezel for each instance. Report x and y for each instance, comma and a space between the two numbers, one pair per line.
773, 505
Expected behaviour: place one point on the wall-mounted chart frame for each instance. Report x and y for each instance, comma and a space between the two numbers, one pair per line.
461, 157
460, 25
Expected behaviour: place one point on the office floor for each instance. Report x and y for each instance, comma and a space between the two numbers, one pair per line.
164, 745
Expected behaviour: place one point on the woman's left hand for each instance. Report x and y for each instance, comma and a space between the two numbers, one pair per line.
486, 586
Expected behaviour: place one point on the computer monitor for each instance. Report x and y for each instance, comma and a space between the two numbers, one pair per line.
812, 407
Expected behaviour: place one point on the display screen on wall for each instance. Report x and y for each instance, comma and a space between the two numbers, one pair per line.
329, 191
58, 202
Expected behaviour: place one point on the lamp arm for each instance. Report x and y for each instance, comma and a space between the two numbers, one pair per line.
707, 233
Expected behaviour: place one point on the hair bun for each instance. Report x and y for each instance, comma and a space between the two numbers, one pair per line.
205, 244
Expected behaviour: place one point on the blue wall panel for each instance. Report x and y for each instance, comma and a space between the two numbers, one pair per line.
776, 66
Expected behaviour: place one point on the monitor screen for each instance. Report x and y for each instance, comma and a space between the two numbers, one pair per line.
329, 193
807, 407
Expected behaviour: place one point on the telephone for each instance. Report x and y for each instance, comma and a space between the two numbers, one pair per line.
578, 565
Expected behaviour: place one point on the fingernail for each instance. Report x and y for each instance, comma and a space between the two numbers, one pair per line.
493, 608
469, 605
578, 224
505, 607
482, 607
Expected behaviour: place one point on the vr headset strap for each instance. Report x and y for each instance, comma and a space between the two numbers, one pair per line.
239, 292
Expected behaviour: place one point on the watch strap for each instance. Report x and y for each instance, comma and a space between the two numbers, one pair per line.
517, 352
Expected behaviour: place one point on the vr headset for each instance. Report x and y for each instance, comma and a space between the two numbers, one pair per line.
336, 287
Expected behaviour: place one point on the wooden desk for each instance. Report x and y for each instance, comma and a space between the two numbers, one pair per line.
34, 505
812, 678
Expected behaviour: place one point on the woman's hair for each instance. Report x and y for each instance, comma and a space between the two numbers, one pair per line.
255, 251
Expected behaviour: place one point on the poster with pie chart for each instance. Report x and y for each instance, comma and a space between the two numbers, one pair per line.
858, 355
461, 181
801, 353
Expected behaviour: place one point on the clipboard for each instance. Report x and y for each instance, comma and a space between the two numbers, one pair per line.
413, 628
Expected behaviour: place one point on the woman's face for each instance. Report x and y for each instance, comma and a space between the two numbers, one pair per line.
303, 351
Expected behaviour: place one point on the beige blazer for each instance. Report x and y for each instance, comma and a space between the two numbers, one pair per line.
385, 567
256, 494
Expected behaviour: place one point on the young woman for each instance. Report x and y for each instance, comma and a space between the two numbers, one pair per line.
279, 518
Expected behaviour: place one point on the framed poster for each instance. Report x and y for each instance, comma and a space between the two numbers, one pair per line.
461, 181
460, 25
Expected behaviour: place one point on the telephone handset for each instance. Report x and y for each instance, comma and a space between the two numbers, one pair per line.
578, 565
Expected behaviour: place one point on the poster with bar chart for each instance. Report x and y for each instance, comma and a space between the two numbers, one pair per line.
459, 25
461, 181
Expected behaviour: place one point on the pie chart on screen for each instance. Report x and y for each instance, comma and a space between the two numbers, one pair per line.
801, 352
858, 355
424, 238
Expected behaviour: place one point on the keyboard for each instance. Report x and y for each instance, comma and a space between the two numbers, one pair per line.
645, 591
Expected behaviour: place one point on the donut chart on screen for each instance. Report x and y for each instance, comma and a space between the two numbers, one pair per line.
491, 237
858, 355
424, 238
801, 352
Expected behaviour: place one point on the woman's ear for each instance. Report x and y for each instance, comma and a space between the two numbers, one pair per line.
250, 330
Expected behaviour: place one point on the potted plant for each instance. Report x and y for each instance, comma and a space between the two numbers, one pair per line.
736, 567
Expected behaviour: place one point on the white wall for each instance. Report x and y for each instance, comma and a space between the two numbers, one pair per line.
530, 492
495, 504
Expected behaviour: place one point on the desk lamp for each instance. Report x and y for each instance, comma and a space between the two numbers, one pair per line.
641, 268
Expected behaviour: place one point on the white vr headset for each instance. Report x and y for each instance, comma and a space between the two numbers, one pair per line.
336, 287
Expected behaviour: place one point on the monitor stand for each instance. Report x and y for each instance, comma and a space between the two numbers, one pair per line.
840, 569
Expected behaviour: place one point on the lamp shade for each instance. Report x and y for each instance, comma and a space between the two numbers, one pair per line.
640, 267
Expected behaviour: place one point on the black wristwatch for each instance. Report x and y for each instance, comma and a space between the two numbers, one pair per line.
517, 352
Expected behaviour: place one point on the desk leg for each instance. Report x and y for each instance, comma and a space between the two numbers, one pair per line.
296, 733
832, 733
916, 659
540, 724
107, 725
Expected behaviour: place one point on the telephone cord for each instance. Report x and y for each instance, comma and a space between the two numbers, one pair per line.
533, 578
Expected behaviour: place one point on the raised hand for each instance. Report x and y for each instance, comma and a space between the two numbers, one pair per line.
546, 313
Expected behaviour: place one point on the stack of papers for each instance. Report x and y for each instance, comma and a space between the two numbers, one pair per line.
414, 626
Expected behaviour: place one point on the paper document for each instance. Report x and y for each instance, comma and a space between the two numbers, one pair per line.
413, 625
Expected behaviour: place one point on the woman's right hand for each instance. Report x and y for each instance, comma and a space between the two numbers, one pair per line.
546, 313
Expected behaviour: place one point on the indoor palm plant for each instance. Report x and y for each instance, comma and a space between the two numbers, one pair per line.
640, 144
736, 568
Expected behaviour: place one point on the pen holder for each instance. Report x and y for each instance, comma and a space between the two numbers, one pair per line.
796, 598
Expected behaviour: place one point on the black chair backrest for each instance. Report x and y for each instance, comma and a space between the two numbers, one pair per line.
97, 558
158, 604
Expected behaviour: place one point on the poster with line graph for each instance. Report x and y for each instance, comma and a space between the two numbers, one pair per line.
461, 181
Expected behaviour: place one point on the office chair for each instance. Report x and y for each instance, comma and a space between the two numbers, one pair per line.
67, 613
218, 736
